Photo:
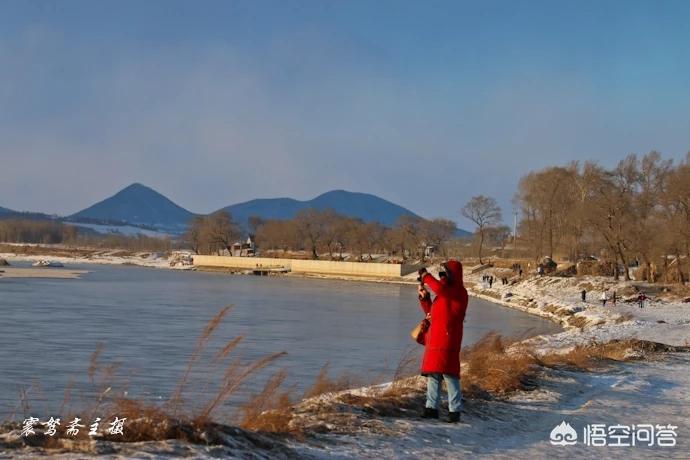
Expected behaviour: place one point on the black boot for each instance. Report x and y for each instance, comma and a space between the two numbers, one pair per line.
430, 413
453, 417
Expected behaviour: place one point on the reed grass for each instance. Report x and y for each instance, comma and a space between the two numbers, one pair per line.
493, 366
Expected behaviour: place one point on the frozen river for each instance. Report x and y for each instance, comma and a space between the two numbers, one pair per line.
149, 321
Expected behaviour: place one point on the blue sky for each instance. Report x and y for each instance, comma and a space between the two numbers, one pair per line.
423, 103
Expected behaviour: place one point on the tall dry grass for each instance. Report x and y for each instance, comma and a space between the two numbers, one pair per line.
270, 410
211, 326
324, 383
172, 419
495, 365
490, 369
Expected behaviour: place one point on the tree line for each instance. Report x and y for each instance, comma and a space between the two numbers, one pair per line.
42, 231
324, 233
36, 231
636, 213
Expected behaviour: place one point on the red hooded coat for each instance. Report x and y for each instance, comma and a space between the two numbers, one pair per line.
443, 339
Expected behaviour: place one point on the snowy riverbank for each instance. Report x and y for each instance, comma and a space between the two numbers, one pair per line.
105, 257
651, 391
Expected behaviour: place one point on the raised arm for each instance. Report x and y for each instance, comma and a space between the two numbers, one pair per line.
432, 282
425, 303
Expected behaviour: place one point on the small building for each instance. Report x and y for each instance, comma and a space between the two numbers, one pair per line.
429, 251
246, 249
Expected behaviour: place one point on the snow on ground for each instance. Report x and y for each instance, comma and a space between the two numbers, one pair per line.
126, 230
649, 392
663, 319
652, 392
108, 257
634, 393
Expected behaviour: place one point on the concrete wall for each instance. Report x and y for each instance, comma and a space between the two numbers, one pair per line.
325, 267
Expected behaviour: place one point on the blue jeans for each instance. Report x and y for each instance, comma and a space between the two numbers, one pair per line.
433, 391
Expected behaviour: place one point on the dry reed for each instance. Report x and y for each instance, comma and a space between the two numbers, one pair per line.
271, 409
196, 354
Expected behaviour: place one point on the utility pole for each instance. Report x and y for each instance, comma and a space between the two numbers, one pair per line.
515, 213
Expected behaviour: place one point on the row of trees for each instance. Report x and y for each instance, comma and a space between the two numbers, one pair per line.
42, 231
213, 233
638, 211
324, 233
36, 231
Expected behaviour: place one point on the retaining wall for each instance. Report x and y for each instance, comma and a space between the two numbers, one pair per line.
326, 267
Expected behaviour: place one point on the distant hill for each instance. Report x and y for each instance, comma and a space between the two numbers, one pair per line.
138, 208
137, 204
6, 213
361, 205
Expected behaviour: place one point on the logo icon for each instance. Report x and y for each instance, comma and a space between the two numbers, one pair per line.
563, 435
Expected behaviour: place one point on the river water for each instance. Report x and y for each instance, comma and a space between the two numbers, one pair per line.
149, 320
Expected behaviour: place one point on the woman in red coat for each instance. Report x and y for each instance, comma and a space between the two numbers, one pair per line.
443, 339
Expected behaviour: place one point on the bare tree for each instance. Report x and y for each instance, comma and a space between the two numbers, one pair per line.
278, 234
212, 233
676, 200
311, 227
437, 232
547, 200
194, 234
254, 223
407, 236
499, 235
484, 212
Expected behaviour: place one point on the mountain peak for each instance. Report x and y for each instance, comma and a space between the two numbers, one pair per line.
138, 187
136, 204
340, 192
352, 204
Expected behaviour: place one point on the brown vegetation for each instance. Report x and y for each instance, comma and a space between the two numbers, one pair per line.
596, 354
271, 409
146, 421
493, 367
326, 233
213, 233
326, 384
490, 369
638, 211
485, 213
36, 231
44, 231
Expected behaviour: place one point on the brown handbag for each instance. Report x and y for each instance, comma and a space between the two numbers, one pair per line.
419, 332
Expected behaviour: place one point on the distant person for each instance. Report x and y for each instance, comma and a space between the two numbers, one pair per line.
583, 294
640, 299
491, 281
443, 340
604, 297
520, 272
614, 297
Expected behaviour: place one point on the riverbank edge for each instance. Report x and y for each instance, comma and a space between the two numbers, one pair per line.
404, 280
521, 292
